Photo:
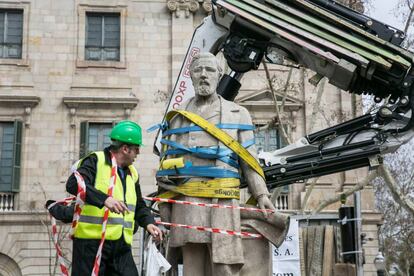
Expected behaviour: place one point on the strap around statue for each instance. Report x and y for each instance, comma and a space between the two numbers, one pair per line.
220, 135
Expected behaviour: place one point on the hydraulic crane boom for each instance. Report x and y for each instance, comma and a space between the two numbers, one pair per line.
354, 52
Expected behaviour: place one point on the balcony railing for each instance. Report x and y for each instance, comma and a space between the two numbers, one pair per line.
282, 202
6, 202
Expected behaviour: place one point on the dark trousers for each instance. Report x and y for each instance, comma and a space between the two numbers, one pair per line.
116, 258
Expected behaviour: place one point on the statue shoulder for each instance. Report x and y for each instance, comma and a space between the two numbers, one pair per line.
237, 112
184, 105
234, 107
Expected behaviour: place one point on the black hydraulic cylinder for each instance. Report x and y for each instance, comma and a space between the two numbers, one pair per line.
347, 233
339, 149
228, 87
346, 127
283, 180
342, 10
378, 28
280, 175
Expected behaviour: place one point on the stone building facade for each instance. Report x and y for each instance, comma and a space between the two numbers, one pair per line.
69, 70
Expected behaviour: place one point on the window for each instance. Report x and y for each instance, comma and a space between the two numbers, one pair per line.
11, 33
101, 39
268, 138
10, 147
102, 36
94, 136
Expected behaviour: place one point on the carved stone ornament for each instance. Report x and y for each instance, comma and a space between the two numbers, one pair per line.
179, 6
207, 6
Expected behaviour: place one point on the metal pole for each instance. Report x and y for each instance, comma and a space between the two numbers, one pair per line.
358, 226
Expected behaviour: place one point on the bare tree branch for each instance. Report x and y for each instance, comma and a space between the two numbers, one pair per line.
307, 195
402, 199
282, 106
346, 193
280, 125
316, 105
63, 232
410, 16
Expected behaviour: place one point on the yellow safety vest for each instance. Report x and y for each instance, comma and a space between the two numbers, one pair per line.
91, 217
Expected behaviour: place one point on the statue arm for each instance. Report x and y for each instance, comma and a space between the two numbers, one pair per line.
255, 182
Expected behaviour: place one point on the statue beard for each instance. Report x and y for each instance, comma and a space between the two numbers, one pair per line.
204, 91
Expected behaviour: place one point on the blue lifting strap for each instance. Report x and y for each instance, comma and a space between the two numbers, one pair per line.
197, 128
199, 171
225, 154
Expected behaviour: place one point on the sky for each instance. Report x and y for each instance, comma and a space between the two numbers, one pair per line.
382, 10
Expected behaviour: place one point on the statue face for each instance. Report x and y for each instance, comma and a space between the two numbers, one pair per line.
205, 76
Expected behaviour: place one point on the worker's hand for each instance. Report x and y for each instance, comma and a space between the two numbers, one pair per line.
115, 206
265, 203
155, 232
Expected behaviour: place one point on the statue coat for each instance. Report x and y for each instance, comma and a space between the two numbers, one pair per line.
225, 249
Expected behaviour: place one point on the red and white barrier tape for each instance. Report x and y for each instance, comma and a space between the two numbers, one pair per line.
80, 201
212, 230
61, 260
211, 205
98, 257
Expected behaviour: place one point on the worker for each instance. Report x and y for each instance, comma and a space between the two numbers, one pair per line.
206, 161
126, 206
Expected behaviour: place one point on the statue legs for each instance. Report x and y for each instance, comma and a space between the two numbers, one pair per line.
257, 256
197, 261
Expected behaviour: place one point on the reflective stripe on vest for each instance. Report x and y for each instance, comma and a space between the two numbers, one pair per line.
90, 222
97, 220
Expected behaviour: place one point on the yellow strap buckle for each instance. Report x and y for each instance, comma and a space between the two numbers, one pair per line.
172, 163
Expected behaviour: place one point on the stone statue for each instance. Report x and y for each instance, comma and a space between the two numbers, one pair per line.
216, 254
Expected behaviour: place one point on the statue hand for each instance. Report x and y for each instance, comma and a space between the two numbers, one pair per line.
265, 203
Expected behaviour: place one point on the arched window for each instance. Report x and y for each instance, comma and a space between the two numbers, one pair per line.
8, 267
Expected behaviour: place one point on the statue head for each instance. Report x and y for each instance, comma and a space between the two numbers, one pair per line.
205, 73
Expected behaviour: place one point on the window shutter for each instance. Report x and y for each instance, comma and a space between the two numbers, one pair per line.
111, 37
2, 27
112, 31
106, 139
17, 148
93, 37
94, 31
259, 138
98, 135
14, 27
14, 34
282, 141
83, 145
6, 156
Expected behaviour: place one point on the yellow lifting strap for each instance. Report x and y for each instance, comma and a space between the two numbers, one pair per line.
220, 135
215, 188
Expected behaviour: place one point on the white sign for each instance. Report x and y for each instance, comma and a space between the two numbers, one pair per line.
204, 40
286, 258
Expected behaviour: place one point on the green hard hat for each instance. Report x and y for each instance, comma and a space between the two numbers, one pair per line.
127, 132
